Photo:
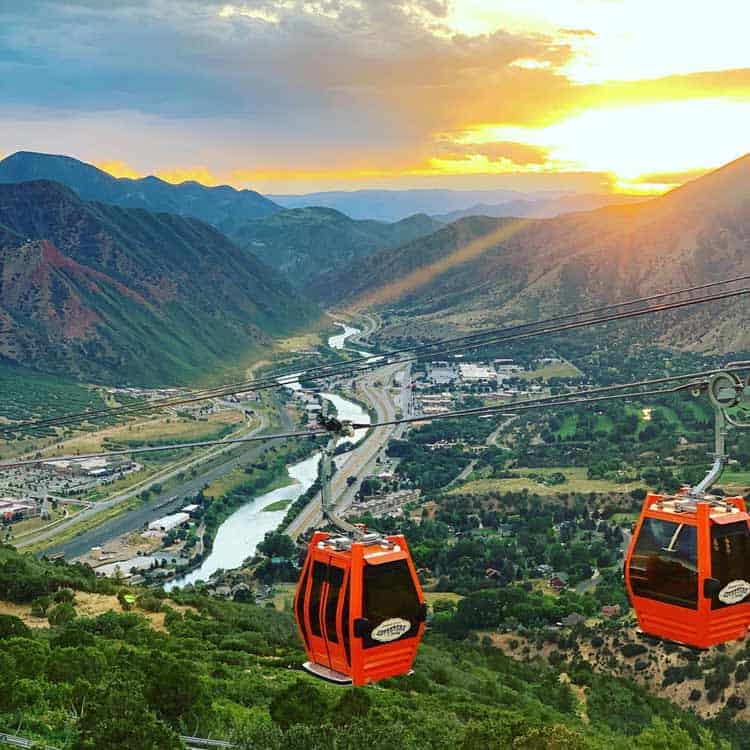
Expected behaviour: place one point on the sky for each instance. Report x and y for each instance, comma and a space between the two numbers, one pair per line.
292, 96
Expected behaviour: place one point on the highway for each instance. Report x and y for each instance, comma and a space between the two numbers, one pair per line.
362, 457
136, 518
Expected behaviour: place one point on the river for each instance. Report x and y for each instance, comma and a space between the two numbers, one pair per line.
338, 341
238, 537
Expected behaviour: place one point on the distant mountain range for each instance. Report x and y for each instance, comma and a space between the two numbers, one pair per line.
125, 295
211, 204
449, 205
304, 243
542, 207
394, 205
480, 271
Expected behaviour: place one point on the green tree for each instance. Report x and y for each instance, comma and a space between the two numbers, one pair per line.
663, 736
551, 737
176, 688
300, 703
62, 614
13, 627
117, 716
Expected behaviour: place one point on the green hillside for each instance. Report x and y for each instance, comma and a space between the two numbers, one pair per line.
123, 295
305, 243
78, 672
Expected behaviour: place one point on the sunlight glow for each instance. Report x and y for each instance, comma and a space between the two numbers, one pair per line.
118, 168
634, 141
621, 40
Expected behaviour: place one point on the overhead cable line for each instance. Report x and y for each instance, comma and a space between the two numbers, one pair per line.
591, 395
162, 448
363, 364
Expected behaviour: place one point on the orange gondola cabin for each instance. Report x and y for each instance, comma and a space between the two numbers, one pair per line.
688, 569
359, 608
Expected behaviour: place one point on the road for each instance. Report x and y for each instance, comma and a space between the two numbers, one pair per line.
362, 457
136, 518
491, 438
588, 584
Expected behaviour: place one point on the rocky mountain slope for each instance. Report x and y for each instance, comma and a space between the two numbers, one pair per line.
211, 204
479, 271
125, 295
304, 243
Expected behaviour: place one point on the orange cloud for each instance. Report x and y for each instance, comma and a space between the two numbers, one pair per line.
117, 168
520, 154
178, 175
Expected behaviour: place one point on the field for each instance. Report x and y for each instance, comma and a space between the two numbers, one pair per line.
557, 370
576, 481
283, 596
433, 596
735, 482
162, 429
34, 524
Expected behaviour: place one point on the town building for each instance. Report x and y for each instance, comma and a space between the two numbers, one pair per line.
96, 468
506, 368
441, 373
475, 374
168, 523
389, 504
16, 509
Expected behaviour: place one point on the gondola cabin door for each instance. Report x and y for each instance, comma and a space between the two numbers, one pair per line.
325, 610
688, 570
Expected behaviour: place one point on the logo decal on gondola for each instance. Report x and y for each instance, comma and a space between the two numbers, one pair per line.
390, 630
734, 592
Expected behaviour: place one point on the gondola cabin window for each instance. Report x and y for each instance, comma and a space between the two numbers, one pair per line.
730, 563
664, 564
389, 599
316, 593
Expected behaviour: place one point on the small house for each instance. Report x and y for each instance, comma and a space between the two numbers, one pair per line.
572, 620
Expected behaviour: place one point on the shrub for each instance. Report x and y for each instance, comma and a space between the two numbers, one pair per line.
62, 614
633, 649
40, 605
13, 627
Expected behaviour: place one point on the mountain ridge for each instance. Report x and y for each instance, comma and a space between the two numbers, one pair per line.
210, 204
84, 290
532, 268
304, 243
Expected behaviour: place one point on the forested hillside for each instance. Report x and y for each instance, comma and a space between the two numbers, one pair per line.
84, 670
304, 243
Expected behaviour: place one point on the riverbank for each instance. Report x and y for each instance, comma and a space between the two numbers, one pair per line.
241, 521
244, 508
